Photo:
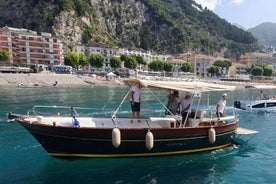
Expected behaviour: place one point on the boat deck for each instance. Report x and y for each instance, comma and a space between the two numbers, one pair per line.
153, 122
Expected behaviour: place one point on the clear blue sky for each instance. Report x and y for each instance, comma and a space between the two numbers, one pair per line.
247, 13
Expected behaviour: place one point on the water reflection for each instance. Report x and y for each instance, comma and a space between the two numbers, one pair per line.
199, 168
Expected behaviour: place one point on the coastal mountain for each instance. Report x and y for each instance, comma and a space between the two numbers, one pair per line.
162, 26
239, 26
265, 33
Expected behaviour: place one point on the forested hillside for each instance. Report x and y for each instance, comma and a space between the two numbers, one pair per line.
163, 26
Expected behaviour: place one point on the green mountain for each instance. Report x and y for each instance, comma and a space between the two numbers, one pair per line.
265, 33
162, 26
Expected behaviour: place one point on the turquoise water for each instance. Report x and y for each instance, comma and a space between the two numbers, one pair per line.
23, 160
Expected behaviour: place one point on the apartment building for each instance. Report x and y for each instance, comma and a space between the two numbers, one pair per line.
263, 59
147, 55
28, 48
98, 48
102, 48
200, 64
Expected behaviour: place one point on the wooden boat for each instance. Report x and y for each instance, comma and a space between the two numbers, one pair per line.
10, 117
73, 135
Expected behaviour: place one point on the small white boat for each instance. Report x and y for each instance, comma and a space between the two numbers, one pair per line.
261, 105
267, 105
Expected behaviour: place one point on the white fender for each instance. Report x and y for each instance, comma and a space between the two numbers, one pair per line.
116, 137
149, 140
212, 135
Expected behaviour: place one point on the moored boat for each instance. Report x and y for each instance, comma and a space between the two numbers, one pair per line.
69, 134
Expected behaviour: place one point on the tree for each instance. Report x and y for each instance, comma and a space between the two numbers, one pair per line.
130, 62
257, 71
213, 70
115, 62
268, 71
186, 67
4, 55
156, 65
83, 60
123, 57
72, 59
223, 66
168, 66
140, 60
96, 60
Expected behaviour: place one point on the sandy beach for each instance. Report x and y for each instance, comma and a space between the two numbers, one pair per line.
63, 80
67, 80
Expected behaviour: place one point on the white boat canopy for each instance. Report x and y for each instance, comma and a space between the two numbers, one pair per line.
191, 86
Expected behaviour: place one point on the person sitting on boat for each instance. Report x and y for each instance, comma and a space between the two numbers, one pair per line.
220, 109
173, 103
273, 97
185, 106
135, 99
262, 97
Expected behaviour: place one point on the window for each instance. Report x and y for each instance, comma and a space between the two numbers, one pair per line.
259, 105
271, 104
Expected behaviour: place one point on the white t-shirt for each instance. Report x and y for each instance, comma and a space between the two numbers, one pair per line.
222, 104
136, 94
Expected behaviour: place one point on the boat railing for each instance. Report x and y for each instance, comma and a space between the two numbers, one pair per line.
42, 110
70, 111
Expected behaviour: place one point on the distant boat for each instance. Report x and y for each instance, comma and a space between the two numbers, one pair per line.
68, 134
266, 104
30, 85
35, 85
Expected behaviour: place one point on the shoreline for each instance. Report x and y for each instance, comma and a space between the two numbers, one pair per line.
48, 80
67, 80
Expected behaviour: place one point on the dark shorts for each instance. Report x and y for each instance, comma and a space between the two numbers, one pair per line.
220, 114
184, 115
135, 107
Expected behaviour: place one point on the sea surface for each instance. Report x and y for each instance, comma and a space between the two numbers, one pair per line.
24, 161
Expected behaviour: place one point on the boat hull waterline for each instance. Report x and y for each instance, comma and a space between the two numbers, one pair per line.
97, 142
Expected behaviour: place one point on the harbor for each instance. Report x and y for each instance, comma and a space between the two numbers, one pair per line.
23, 160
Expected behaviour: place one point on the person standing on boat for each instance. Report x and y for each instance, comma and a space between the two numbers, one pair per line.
173, 103
220, 110
185, 103
135, 99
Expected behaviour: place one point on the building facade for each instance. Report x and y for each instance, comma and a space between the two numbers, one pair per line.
103, 49
99, 48
28, 48
200, 64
